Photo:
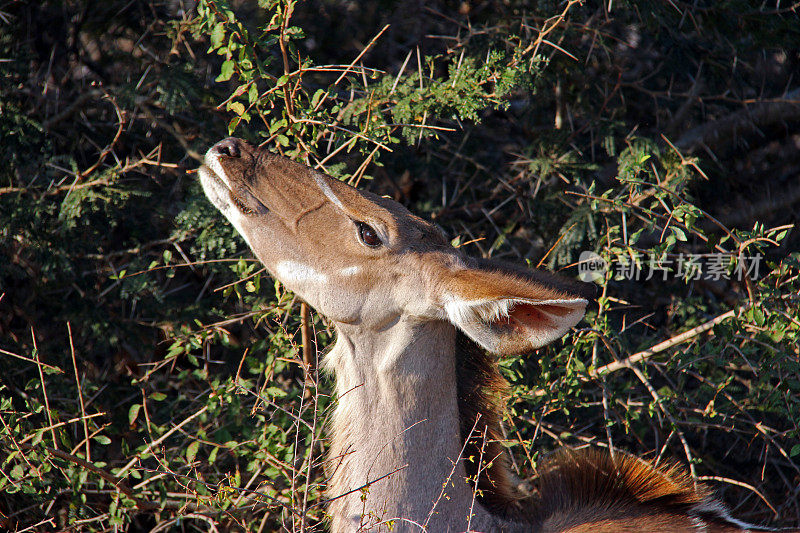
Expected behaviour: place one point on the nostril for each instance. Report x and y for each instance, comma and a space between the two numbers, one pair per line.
228, 147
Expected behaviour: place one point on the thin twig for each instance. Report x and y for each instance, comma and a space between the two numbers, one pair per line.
159, 441
309, 347
287, 14
359, 56
44, 389
34, 361
740, 484
114, 480
59, 424
364, 486
80, 394
659, 402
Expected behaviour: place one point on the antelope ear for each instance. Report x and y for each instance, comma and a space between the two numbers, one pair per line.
508, 312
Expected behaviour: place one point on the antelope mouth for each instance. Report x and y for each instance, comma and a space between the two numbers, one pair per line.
216, 189
226, 194
213, 172
207, 175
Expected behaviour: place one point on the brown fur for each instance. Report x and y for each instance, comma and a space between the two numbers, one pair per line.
592, 486
551, 285
575, 491
480, 396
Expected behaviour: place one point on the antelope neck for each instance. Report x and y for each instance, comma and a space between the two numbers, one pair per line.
396, 428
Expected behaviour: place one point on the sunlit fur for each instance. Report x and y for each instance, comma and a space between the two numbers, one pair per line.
459, 310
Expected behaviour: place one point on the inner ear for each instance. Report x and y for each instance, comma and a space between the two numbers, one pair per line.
523, 315
512, 326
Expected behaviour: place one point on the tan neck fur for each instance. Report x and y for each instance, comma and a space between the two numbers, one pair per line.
397, 422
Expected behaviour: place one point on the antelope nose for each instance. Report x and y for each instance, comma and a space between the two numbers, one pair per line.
230, 147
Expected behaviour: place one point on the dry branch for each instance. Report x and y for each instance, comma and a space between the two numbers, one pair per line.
662, 346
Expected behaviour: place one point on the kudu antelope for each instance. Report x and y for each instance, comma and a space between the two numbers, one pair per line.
417, 420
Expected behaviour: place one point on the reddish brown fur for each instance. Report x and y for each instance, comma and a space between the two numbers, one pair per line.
480, 396
592, 486
575, 491
517, 280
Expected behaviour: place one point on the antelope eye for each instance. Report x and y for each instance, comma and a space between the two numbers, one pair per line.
368, 235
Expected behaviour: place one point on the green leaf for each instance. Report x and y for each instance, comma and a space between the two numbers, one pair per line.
758, 316
191, 451
157, 396
226, 71
213, 455
237, 107
317, 97
102, 439
133, 412
217, 36
18, 472
275, 392
233, 124
275, 126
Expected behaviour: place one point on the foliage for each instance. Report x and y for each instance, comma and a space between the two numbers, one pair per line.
153, 378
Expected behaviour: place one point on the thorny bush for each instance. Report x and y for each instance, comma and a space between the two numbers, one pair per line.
153, 377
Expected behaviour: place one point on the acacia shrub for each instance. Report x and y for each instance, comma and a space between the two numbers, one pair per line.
154, 377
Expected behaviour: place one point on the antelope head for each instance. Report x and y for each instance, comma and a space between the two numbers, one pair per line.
364, 260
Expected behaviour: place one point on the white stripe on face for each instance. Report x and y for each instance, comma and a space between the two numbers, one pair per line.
326, 190
293, 272
349, 271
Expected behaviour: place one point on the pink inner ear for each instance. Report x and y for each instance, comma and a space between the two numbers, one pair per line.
525, 316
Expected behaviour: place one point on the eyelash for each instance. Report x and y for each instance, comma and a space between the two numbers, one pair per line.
243, 208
